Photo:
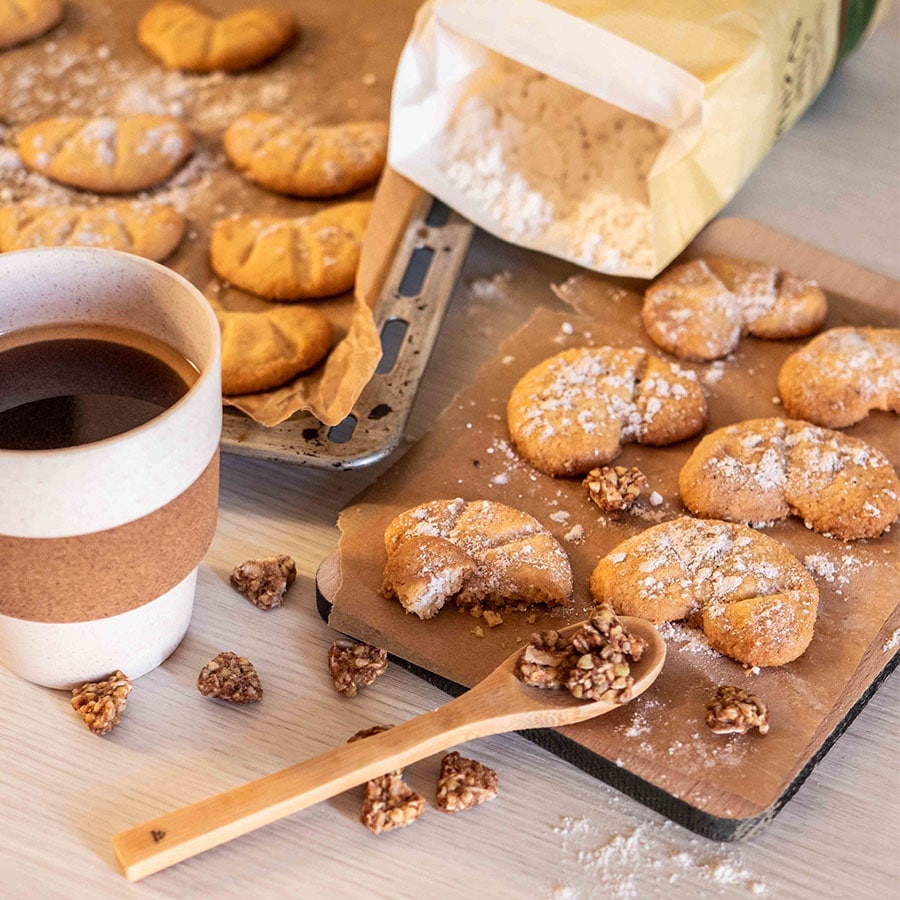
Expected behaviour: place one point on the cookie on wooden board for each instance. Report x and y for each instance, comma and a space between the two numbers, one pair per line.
754, 600
182, 36
699, 310
839, 377
151, 230
485, 554
766, 469
263, 350
24, 20
291, 258
107, 155
286, 156
574, 411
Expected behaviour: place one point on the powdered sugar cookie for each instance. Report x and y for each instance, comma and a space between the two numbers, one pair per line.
839, 377
765, 469
291, 259
574, 411
699, 310
754, 600
146, 229
22, 20
181, 36
106, 155
485, 554
262, 350
287, 156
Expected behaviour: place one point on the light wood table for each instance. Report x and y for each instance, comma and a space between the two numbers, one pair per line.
553, 831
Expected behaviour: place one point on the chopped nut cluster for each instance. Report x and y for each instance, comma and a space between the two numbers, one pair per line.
734, 711
388, 802
354, 665
100, 703
464, 783
264, 581
615, 488
230, 677
592, 666
547, 660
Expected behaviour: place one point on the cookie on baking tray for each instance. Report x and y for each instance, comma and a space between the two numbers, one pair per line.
291, 258
182, 36
107, 155
485, 554
263, 350
286, 156
574, 411
754, 600
765, 469
699, 310
23, 20
146, 229
839, 377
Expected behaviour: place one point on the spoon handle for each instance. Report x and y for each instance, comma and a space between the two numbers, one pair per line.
185, 832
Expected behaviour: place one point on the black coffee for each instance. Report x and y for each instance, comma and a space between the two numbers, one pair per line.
65, 385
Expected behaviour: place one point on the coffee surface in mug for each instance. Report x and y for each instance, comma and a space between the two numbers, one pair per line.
65, 385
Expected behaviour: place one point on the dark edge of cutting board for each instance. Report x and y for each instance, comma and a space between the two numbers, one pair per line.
702, 823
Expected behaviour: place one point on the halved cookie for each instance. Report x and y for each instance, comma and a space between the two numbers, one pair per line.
263, 350
287, 156
485, 554
106, 155
146, 229
22, 20
291, 259
181, 36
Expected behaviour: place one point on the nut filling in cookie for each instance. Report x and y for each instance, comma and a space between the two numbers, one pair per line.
573, 411
700, 309
486, 555
754, 600
766, 469
842, 375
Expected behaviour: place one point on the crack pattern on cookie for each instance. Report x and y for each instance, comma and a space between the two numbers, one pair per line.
762, 470
107, 155
573, 411
754, 600
842, 375
291, 258
486, 555
700, 309
146, 229
287, 156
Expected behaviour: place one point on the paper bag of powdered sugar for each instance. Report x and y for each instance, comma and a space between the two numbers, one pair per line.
606, 132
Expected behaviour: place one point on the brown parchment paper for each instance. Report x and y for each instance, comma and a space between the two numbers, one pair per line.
661, 736
341, 68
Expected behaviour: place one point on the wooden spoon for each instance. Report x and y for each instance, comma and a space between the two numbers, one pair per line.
499, 703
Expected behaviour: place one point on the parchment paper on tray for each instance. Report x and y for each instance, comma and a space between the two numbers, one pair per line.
661, 737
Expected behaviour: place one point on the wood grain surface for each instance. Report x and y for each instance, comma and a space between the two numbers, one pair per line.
553, 832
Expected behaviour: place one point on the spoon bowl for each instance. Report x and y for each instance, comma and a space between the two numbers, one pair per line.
498, 703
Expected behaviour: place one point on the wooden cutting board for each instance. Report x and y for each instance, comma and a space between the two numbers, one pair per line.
656, 748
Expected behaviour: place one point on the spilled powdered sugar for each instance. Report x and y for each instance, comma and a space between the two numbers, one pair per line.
644, 856
549, 163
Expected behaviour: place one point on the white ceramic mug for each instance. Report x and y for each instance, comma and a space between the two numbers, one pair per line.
100, 542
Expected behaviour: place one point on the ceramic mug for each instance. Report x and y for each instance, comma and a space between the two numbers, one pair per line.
100, 542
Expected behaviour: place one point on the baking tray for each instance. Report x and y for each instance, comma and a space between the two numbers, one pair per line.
408, 315
656, 748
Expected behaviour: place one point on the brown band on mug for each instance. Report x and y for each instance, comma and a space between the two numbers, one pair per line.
113, 571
